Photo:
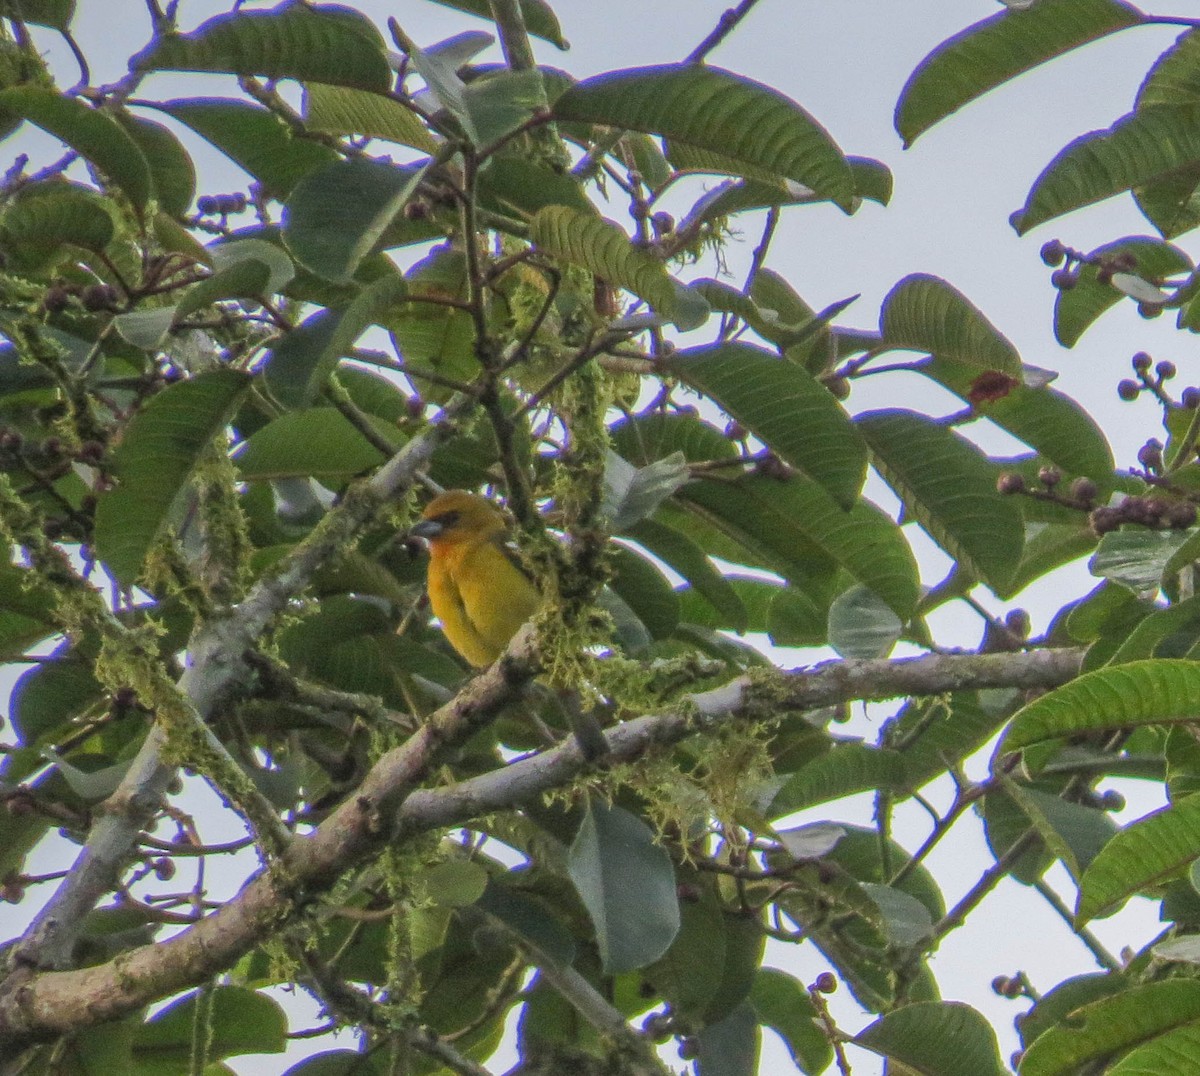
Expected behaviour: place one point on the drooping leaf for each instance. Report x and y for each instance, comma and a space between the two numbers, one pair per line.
310, 43
633, 493
634, 924
861, 625
801, 530
253, 138
584, 239
783, 1004
786, 408
1076, 308
935, 1038
949, 488
336, 215
1138, 148
997, 49
646, 592
730, 1046
300, 364
238, 1021
153, 462
93, 134
1144, 853
1136, 558
1161, 691
716, 110
343, 110
47, 215
171, 167
1138, 1014
924, 313
539, 17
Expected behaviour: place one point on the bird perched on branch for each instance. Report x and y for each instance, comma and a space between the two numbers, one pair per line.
476, 587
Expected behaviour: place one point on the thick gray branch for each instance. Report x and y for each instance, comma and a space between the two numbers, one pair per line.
39, 1005
217, 666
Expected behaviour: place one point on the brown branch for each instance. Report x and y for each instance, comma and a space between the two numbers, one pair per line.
35, 1006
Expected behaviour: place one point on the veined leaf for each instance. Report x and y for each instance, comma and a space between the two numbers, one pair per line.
335, 215
309, 43
936, 1038
1138, 558
1172, 1053
1178, 626
1157, 692
1138, 1014
1138, 148
924, 313
1044, 418
240, 1021
253, 138
344, 110
949, 488
861, 625
719, 111
46, 215
154, 461
171, 167
997, 49
783, 1004
601, 247
1077, 308
1172, 80
1144, 853
245, 269
93, 134
794, 519
786, 408
539, 17
842, 771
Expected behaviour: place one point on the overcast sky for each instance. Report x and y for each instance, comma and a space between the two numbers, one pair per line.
846, 62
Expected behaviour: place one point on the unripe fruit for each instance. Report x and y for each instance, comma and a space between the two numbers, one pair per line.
1084, 490
826, 983
1053, 252
1064, 279
1010, 482
1190, 398
1166, 370
1142, 361
1049, 476
1128, 390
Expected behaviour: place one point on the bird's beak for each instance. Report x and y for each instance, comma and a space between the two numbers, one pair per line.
426, 528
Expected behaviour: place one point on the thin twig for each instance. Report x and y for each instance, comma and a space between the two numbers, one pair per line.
725, 26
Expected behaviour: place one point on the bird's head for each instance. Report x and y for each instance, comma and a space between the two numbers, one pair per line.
459, 516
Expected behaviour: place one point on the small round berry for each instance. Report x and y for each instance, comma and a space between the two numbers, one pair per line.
1190, 398
1049, 476
1142, 362
1128, 390
164, 869
1053, 252
1064, 279
1104, 520
1010, 482
825, 983
1181, 515
1112, 800
1150, 310
1017, 621
735, 431
1084, 490
1000, 984
1166, 370
689, 1048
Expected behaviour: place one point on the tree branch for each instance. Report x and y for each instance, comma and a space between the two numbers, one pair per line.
217, 650
39, 1005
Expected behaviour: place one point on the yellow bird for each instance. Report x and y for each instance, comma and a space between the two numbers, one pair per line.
476, 588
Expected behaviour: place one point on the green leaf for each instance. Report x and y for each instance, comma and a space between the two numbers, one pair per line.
861, 625
782, 1003
500, 102
53, 13
309, 43
1047, 420
783, 406
730, 1047
1138, 148
719, 111
997, 49
1096, 1031
1136, 558
681, 554
236, 1020
936, 1038
46, 215
924, 313
518, 186
1150, 850
1076, 308
318, 442
1173, 1053
341, 110
937, 733
253, 138
906, 920
243, 273
1072, 832
600, 246
1157, 692
171, 167
300, 364
800, 528
644, 589
539, 17
154, 461
1169, 632
633, 493
93, 134
635, 924
335, 216
844, 770
950, 489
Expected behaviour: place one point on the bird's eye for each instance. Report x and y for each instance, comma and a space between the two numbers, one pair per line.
446, 519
